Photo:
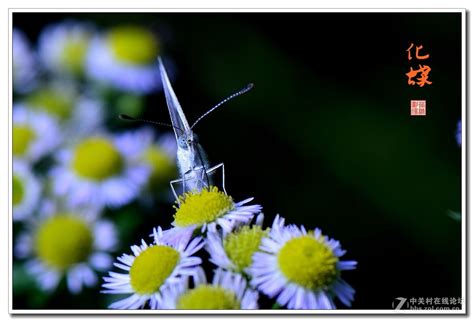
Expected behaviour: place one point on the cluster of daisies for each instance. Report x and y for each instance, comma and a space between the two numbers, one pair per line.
293, 267
69, 166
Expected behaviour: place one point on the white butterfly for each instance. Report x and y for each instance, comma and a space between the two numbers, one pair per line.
192, 161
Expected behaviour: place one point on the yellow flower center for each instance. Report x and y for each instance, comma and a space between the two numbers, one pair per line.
208, 297
242, 244
64, 240
152, 267
74, 52
23, 136
52, 101
133, 45
163, 167
97, 159
18, 190
205, 206
308, 262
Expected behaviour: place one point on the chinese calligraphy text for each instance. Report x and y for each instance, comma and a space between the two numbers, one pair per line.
418, 76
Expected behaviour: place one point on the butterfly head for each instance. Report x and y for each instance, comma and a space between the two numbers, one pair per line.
187, 140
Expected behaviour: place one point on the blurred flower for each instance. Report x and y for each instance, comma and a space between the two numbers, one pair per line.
209, 209
159, 155
459, 133
26, 190
78, 114
228, 291
152, 269
99, 170
35, 134
69, 242
25, 68
63, 46
300, 268
125, 58
234, 251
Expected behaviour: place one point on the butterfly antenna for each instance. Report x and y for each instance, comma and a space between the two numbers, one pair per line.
129, 118
242, 91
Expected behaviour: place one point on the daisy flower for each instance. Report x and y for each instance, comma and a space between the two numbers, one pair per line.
24, 67
158, 154
77, 113
234, 251
459, 133
66, 242
35, 134
301, 269
63, 46
26, 190
152, 269
228, 291
99, 170
125, 58
208, 209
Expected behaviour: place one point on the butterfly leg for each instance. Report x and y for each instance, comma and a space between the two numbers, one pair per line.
184, 183
214, 168
172, 187
183, 180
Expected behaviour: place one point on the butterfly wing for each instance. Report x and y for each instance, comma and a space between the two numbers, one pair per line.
176, 112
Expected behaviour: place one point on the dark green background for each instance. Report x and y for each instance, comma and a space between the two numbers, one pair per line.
325, 138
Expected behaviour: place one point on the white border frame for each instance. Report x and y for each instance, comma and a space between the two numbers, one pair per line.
243, 312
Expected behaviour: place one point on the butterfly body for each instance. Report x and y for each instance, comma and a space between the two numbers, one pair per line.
192, 162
